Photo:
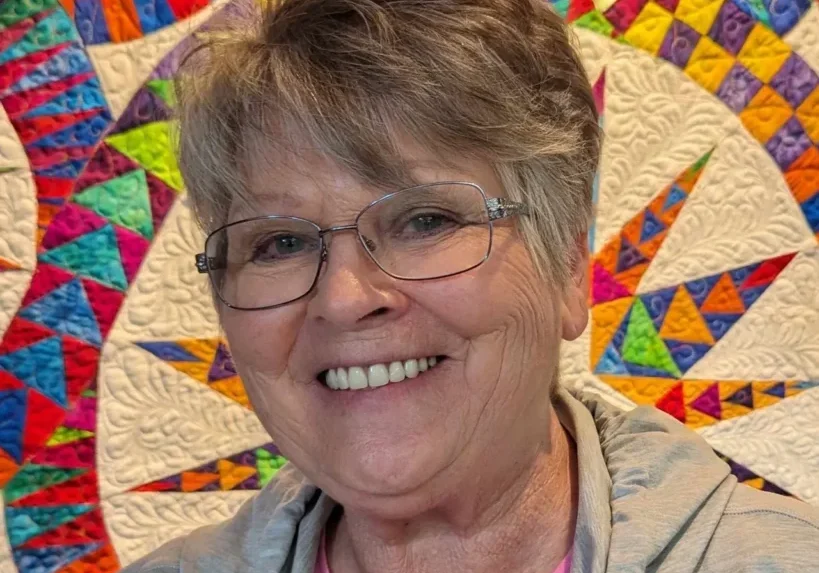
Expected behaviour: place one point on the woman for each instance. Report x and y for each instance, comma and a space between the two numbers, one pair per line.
396, 194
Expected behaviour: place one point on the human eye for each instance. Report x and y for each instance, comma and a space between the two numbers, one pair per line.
275, 247
427, 223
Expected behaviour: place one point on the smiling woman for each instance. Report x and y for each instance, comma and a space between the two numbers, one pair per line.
396, 195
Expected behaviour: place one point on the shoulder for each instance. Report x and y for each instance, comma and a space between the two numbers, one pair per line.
262, 531
762, 531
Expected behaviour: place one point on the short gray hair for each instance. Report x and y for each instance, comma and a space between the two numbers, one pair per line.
494, 79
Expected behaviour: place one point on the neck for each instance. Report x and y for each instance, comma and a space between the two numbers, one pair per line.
516, 517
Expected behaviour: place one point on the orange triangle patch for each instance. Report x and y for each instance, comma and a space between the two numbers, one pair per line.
723, 297
7, 265
231, 475
684, 322
194, 481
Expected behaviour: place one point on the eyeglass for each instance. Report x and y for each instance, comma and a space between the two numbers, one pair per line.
426, 232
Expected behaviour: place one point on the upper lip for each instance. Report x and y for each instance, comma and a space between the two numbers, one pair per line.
325, 365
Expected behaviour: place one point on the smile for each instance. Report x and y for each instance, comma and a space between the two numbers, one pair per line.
376, 375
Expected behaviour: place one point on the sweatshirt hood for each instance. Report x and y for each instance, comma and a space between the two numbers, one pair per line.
667, 490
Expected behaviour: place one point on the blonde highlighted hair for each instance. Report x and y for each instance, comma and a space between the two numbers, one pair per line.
495, 79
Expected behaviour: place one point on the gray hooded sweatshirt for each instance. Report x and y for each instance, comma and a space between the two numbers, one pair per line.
652, 497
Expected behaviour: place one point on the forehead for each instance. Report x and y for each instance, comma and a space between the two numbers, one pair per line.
301, 180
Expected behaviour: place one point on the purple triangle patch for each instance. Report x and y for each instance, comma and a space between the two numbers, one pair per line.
222, 366
162, 199
144, 107
708, 402
70, 223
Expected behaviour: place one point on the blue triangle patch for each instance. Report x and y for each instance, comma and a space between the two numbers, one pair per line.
13, 416
741, 274
686, 354
52, 559
620, 334
657, 304
777, 390
750, 295
84, 133
70, 62
41, 367
66, 310
23, 523
68, 170
82, 97
719, 324
638, 370
652, 227
744, 396
805, 385
94, 255
629, 256
611, 363
675, 195
168, 351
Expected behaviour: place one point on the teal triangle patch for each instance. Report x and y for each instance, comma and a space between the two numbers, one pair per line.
33, 477
124, 200
23, 523
95, 255
52, 30
643, 345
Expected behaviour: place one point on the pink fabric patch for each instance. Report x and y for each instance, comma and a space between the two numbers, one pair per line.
323, 566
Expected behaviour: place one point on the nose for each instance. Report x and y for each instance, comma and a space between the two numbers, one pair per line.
353, 293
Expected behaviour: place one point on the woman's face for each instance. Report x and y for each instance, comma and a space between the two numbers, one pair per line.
498, 327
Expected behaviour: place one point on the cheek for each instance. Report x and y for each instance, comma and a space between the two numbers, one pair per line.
261, 342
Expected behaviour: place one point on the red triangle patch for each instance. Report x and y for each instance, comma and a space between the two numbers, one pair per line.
16, 69
577, 8
81, 361
53, 187
12, 34
18, 104
157, 486
105, 302
43, 157
32, 129
22, 333
42, 417
673, 402
88, 527
81, 489
103, 560
9, 382
79, 454
767, 271
162, 199
46, 278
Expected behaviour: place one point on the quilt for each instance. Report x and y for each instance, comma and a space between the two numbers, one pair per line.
122, 421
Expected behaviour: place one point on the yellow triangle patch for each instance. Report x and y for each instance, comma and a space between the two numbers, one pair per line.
684, 322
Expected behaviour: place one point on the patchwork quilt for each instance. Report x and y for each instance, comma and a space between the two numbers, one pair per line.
122, 420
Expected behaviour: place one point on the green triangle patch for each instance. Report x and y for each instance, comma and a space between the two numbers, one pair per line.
164, 89
124, 200
63, 435
95, 255
150, 146
268, 465
32, 478
13, 11
643, 345
596, 22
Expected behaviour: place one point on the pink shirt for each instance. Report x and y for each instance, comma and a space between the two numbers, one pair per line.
323, 566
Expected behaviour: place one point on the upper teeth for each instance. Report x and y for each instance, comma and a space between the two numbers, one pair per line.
358, 377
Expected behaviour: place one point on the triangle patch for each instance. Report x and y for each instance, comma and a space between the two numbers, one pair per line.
611, 363
231, 474
673, 402
105, 303
683, 321
123, 200
132, 251
652, 227
94, 255
719, 324
54, 558
150, 146
39, 366
723, 298
79, 454
22, 333
63, 435
629, 256
686, 354
605, 287
84, 529
657, 304
708, 402
66, 310
38, 520
767, 271
675, 196
743, 397
643, 346
32, 478
70, 223
13, 412
144, 107
222, 366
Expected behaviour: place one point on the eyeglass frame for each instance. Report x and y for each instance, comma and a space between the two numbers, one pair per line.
497, 208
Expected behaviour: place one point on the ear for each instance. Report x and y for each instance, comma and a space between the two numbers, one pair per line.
575, 307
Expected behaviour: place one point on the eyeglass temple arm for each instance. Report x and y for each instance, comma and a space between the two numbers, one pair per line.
204, 263
501, 208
